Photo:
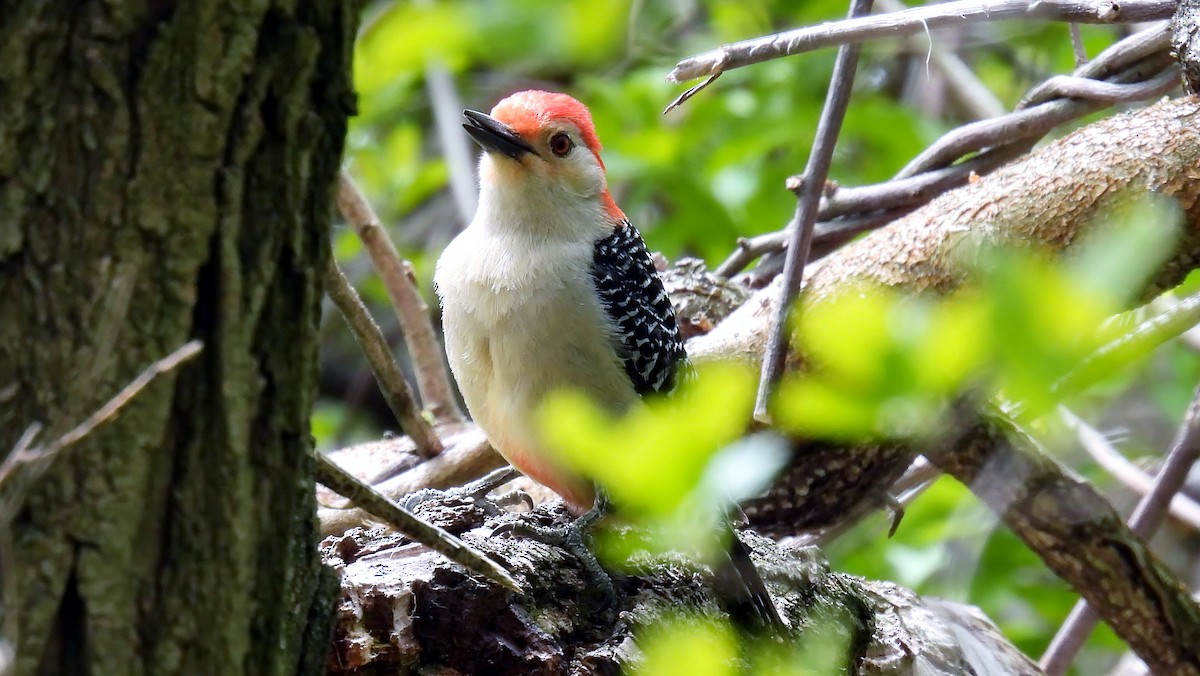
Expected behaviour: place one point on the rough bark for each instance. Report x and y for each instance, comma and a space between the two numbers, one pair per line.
1185, 42
405, 610
1079, 536
166, 174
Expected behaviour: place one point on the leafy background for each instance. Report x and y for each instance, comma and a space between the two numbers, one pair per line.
695, 180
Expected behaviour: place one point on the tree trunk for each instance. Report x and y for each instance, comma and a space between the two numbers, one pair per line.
166, 174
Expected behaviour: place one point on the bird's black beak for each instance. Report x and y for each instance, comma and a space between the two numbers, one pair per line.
494, 136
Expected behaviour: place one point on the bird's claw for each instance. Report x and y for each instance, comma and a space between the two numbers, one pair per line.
475, 492
569, 538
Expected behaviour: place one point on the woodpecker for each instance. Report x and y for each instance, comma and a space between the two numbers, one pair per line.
551, 287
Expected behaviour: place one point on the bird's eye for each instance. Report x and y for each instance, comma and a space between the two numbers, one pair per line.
561, 144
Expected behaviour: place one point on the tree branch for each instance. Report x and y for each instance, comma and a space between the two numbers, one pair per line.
22, 454
337, 479
1081, 538
1048, 200
1183, 508
433, 378
808, 199
26, 462
997, 141
1144, 521
1030, 124
467, 456
391, 380
915, 20
427, 609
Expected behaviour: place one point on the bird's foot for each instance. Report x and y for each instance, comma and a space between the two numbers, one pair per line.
600, 509
571, 539
472, 495
897, 510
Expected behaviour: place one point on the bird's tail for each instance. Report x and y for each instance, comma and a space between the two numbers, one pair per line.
743, 591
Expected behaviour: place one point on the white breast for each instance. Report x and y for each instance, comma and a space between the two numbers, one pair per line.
518, 328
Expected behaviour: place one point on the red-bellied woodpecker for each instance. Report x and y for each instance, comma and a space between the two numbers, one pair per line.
551, 287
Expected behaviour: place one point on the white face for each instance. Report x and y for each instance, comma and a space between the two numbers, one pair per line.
556, 192
563, 166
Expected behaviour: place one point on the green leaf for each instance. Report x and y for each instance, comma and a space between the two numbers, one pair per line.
692, 645
653, 458
406, 37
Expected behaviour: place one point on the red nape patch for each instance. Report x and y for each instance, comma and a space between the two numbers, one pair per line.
528, 112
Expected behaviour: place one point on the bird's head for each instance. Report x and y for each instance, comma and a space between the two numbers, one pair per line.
541, 151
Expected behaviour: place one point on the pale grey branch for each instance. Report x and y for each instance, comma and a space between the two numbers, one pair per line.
915, 20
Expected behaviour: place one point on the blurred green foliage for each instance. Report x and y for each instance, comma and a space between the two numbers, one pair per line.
700, 646
712, 171
882, 363
675, 465
654, 457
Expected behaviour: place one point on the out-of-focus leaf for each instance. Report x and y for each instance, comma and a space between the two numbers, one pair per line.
407, 36
744, 468
652, 459
696, 646
824, 646
1127, 244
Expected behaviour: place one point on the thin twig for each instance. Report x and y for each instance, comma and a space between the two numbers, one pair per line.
808, 199
20, 453
395, 388
750, 248
915, 20
433, 378
1110, 63
471, 458
339, 481
447, 113
849, 212
43, 454
1034, 122
966, 87
1077, 45
910, 191
915, 190
690, 92
1146, 517
827, 237
36, 460
109, 410
1068, 86
996, 141
1077, 534
1185, 449
1130, 475
467, 457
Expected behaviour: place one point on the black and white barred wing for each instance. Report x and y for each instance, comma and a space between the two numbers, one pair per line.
640, 311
